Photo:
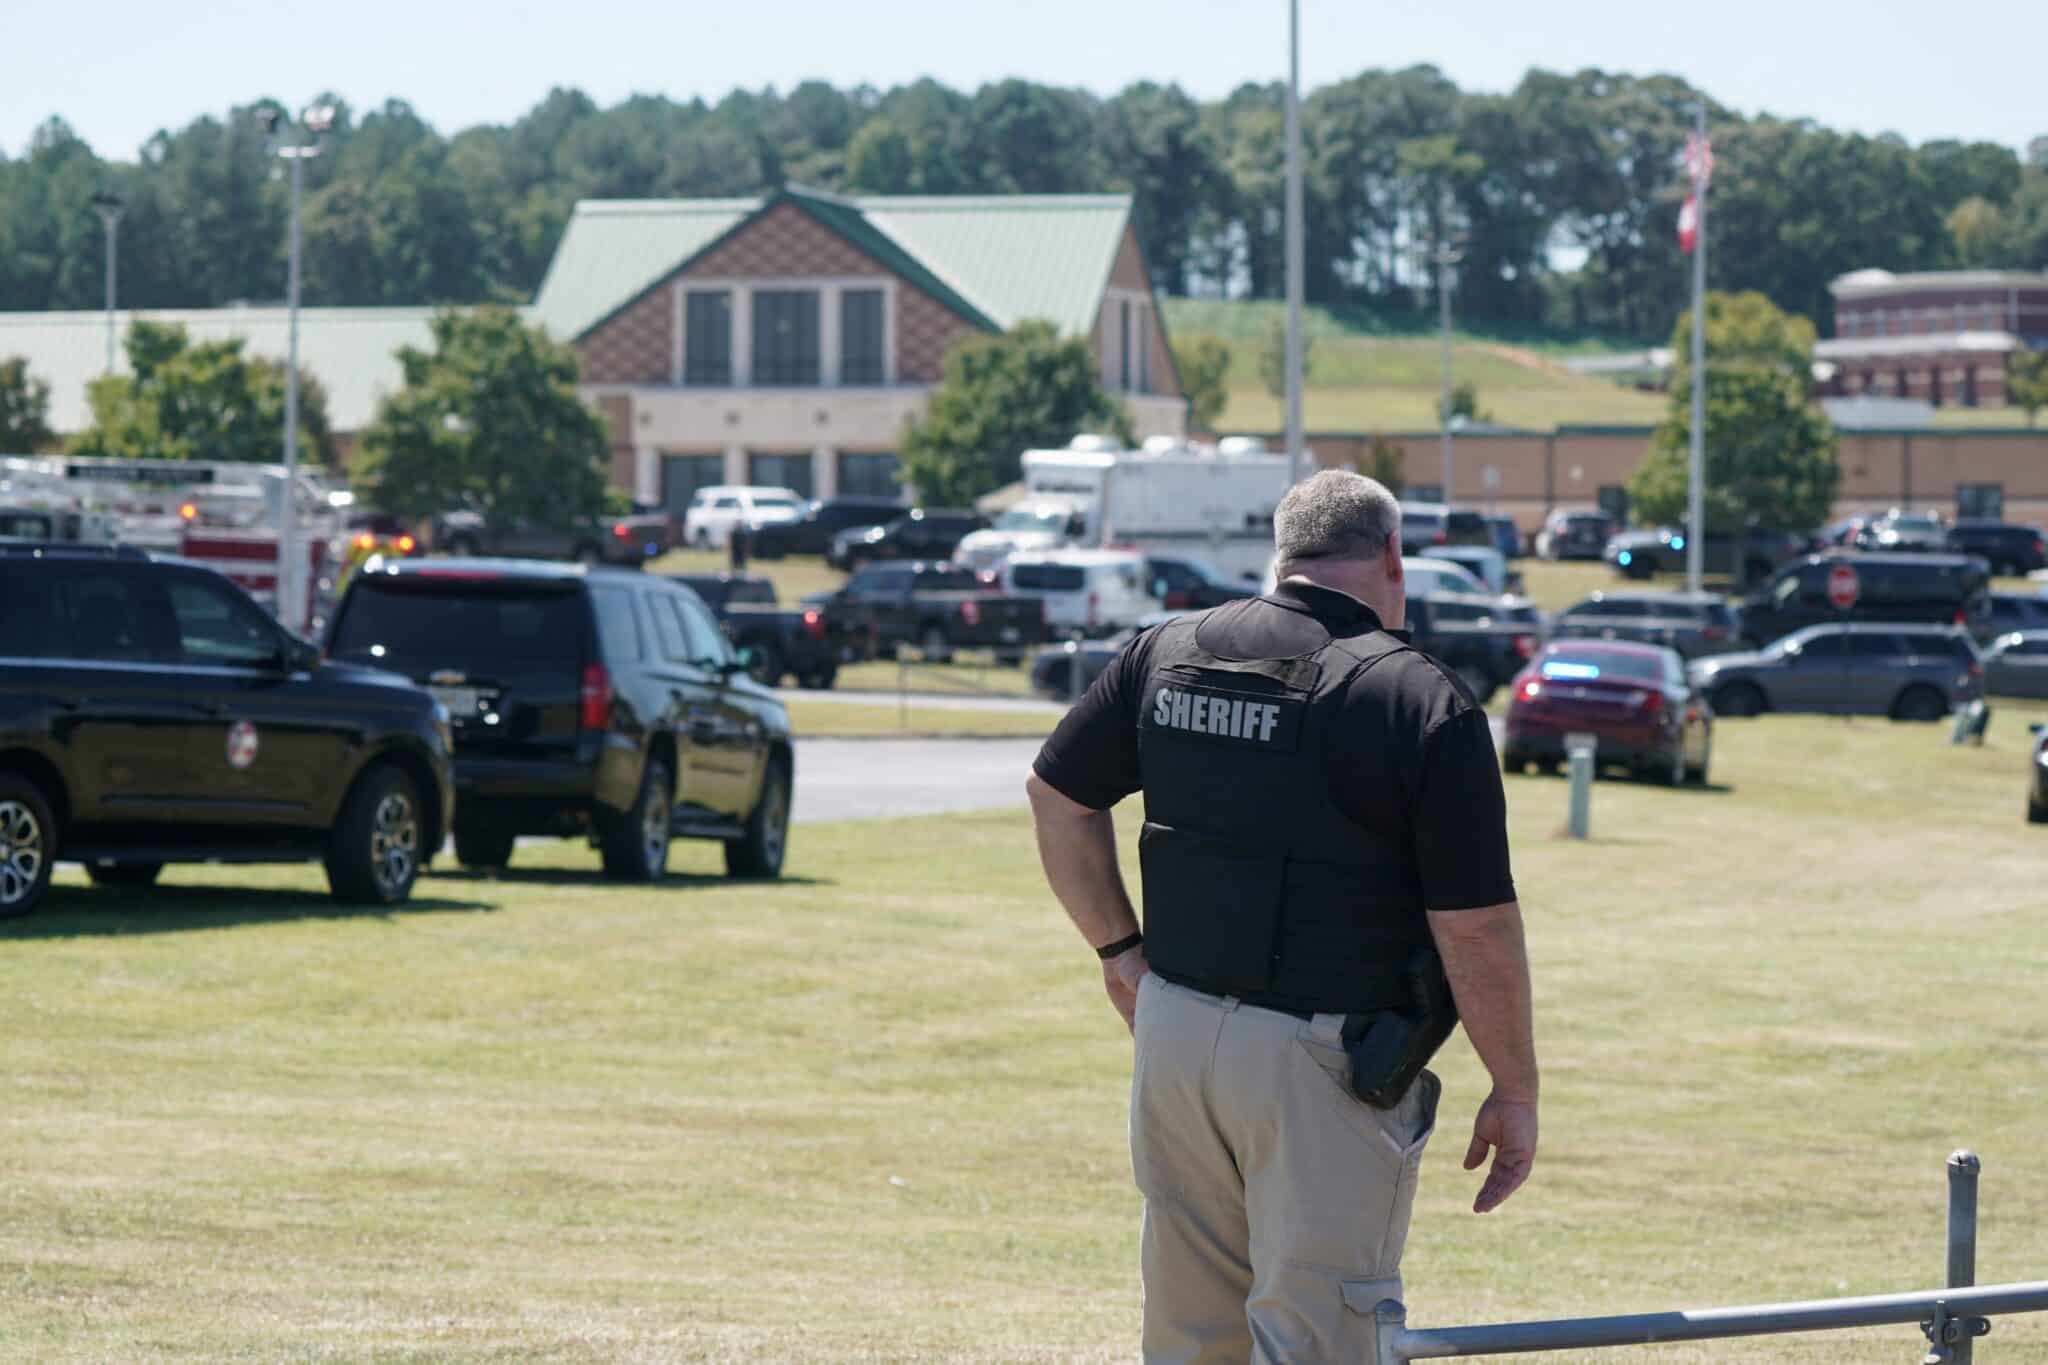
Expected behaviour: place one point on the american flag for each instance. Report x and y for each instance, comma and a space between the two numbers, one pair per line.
1699, 169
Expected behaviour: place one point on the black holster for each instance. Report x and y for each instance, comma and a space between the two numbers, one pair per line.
1389, 1048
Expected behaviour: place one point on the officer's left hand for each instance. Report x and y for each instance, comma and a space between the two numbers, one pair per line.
1120, 977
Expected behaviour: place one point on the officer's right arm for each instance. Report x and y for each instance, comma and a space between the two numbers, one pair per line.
1488, 965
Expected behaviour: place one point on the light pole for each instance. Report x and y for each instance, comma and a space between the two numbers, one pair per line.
1294, 242
108, 205
1443, 253
296, 151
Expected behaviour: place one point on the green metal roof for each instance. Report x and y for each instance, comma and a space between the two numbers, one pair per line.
614, 250
1014, 256
994, 259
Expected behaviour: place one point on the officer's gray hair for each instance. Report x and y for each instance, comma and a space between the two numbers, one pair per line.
1335, 515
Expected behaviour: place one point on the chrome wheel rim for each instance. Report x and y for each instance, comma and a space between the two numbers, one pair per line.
654, 831
21, 852
394, 843
774, 823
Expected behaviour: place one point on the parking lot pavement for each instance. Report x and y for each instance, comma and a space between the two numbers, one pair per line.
940, 701
869, 779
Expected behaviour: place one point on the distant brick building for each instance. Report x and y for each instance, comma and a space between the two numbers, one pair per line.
790, 339
1941, 336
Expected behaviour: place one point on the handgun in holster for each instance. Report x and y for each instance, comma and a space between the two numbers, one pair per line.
1389, 1048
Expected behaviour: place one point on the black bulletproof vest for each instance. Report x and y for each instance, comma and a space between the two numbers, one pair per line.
1256, 885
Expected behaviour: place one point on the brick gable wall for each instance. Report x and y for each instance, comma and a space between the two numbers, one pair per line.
784, 243
635, 346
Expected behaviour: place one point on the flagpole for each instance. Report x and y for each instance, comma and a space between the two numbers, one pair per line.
1695, 522
1294, 254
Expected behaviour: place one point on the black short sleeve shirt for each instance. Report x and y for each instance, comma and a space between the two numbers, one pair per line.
1415, 759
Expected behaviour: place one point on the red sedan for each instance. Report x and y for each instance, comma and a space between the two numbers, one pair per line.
1634, 698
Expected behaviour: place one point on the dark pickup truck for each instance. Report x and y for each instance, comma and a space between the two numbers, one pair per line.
632, 539
1646, 553
1695, 626
1484, 640
936, 607
774, 641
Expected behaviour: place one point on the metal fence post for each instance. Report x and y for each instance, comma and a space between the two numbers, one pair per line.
1390, 1319
1963, 1168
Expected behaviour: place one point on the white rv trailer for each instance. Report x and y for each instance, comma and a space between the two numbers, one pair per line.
1211, 503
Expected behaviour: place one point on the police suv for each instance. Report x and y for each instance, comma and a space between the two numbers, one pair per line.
152, 713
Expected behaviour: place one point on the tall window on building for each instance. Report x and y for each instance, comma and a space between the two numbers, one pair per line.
860, 337
781, 471
683, 475
1986, 500
1144, 345
866, 475
707, 337
1123, 332
1969, 386
786, 336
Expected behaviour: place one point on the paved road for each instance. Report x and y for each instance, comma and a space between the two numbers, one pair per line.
928, 701
870, 779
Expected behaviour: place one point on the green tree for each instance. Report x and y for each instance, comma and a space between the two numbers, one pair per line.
489, 419
999, 397
1203, 362
1384, 461
1465, 402
1273, 356
1980, 234
209, 401
1770, 452
2026, 382
879, 161
24, 410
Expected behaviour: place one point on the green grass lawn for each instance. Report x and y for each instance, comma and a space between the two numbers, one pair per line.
875, 1112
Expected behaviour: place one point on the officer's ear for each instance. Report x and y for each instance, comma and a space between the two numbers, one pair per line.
1390, 560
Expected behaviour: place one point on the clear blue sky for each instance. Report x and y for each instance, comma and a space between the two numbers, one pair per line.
117, 70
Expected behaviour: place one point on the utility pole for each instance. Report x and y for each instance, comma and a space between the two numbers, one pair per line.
108, 205
1695, 518
1294, 243
291, 562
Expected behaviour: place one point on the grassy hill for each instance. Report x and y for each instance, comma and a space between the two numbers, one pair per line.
1361, 380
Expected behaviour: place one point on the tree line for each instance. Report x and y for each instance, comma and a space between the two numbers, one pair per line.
1561, 194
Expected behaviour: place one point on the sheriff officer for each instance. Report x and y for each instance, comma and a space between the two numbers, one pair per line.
1322, 804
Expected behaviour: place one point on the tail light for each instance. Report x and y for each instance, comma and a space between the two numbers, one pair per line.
1094, 606
365, 541
1440, 538
1525, 646
189, 511
1653, 704
621, 530
406, 545
814, 624
2040, 548
1715, 633
594, 711
1529, 690
1962, 616
970, 613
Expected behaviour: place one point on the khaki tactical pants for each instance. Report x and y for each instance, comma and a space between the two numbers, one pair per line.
1276, 1203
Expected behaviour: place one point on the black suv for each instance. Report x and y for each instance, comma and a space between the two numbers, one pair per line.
591, 701
152, 713
1927, 589
2010, 548
917, 534
821, 523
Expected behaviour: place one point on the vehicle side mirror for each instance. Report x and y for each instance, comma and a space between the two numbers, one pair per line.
297, 656
741, 662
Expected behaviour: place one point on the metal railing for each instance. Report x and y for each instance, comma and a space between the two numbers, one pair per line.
1951, 1318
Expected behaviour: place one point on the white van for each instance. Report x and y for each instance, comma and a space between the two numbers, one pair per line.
715, 510
1097, 592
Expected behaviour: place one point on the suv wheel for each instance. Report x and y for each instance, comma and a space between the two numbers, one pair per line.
1919, 702
759, 852
933, 642
635, 845
820, 680
28, 836
374, 855
587, 555
1738, 699
767, 668
483, 848
124, 874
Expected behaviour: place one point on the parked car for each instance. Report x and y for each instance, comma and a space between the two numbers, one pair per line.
1484, 563
920, 533
1922, 589
1907, 672
1694, 625
1096, 592
1635, 699
2016, 665
1052, 668
1507, 537
1425, 525
821, 521
1574, 533
936, 606
2009, 548
1900, 532
631, 539
1043, 523
1484, 639
584, 702
1662, 549
151, 713
1191, 585
1427, 574
714, 512
775, 641
2037, 767
2006, 612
